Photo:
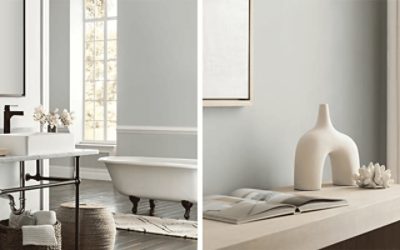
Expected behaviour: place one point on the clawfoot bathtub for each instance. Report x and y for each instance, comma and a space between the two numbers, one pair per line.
154, 178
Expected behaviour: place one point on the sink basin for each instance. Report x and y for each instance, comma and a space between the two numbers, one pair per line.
37, 143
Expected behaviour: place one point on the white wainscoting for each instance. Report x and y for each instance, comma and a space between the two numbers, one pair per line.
157, 141
85, 172
90, 168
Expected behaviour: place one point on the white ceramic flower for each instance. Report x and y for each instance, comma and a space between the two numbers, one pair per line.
40, 114
53, 118
387, 181
373, 176
67, 118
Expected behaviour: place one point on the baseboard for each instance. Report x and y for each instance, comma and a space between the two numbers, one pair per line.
86, 173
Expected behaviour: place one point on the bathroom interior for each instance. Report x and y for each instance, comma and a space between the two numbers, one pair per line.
102, 101
123, 74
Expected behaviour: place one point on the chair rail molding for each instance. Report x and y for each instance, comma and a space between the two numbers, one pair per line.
393, 88
156, 130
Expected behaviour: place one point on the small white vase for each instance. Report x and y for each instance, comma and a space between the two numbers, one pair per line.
313, 149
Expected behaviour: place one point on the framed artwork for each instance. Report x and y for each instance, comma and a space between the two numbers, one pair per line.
227, 48
12, 48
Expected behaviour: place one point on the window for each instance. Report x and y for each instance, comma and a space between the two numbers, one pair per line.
100, 73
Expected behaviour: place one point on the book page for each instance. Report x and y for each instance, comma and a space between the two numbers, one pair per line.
303, 203
303, 200
261, 195
236, 210
219, 202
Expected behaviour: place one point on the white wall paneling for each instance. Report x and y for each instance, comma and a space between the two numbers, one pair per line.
86, 173
157, 141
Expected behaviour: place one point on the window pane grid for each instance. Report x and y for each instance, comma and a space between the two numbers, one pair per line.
100, 70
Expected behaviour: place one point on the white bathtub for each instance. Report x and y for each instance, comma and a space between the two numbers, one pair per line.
154, 178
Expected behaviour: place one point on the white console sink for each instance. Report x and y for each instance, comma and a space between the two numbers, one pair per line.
37, 143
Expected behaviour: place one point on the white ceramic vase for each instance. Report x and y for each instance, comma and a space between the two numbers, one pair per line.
313, 149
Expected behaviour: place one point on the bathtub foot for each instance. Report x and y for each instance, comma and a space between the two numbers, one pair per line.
135, 201
187, 205
152, 207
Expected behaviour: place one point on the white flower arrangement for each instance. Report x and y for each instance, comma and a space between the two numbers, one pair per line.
53, 119
67, 118
373, 176
40, 115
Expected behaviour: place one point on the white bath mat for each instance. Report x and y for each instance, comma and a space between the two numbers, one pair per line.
156, 225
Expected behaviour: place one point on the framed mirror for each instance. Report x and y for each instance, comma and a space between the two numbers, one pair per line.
12, 48
227, 49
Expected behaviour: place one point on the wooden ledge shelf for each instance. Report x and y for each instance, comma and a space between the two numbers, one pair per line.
368, 210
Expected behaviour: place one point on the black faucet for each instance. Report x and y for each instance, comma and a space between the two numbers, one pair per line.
7, 117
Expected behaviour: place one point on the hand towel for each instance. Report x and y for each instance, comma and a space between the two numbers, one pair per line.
25, 219
43, 235
45, 217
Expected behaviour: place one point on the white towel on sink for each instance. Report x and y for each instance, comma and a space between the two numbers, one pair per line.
41, 235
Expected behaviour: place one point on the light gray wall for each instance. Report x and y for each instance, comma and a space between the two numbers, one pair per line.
59, 61
157, 80
59, 54
305, 53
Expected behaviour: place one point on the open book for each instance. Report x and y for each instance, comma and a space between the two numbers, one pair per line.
245, 205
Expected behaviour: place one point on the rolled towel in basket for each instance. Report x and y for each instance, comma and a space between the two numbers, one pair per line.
42, 235
24, 219
45, 217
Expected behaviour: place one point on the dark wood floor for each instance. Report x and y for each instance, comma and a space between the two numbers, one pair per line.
104, 193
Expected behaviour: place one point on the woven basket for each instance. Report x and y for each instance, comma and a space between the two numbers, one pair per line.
11, 238
97, 227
